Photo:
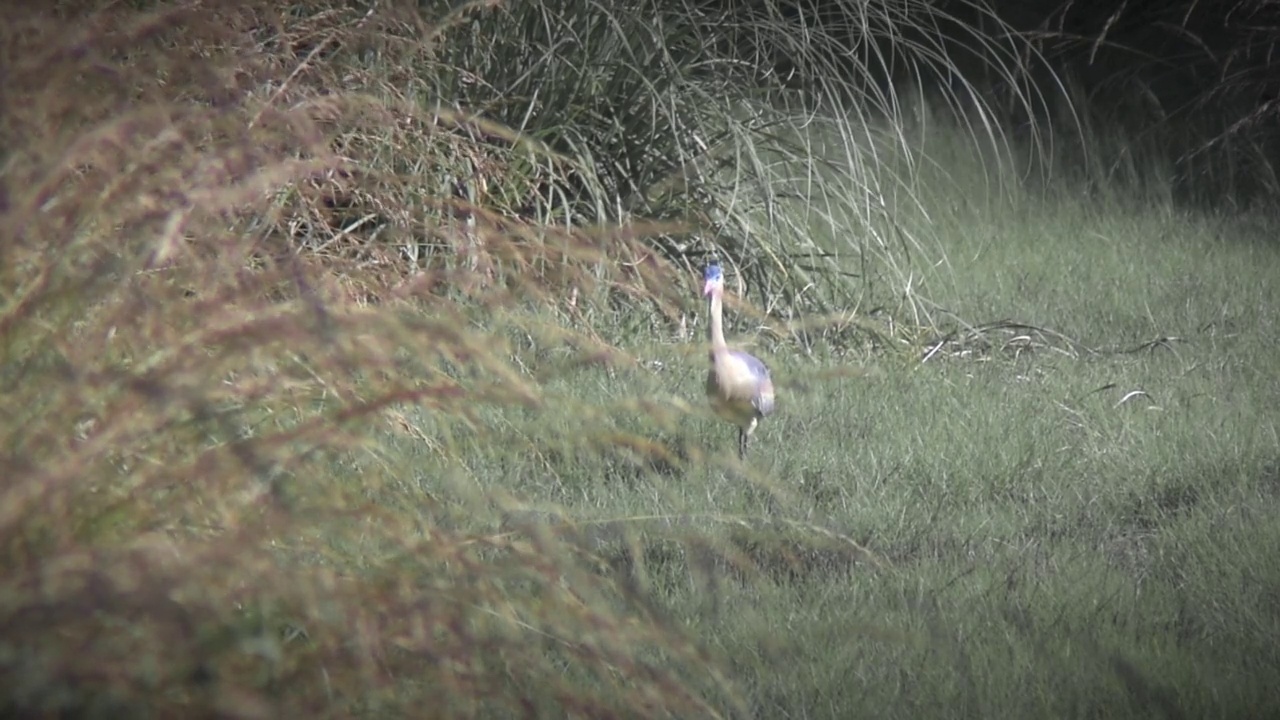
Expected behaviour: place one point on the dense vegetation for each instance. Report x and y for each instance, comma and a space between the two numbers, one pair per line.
350, 360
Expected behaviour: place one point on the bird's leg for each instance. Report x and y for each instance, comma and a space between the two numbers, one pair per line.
744, 436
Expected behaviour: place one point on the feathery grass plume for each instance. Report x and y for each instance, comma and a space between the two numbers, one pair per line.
195, 519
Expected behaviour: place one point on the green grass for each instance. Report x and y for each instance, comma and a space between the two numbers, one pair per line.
1047, 543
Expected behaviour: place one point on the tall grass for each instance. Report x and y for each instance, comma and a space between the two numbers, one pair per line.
210, 219
664, 112
180, 373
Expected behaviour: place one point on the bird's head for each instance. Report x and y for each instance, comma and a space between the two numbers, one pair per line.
713, 277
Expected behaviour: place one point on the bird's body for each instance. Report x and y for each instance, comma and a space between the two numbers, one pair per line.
738, 383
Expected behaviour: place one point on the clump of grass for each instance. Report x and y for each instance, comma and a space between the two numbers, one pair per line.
182, 526
654, 111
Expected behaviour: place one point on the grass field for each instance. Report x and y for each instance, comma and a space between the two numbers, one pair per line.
1026, 461
1071, 513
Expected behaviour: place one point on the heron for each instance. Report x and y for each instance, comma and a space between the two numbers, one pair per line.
738, 383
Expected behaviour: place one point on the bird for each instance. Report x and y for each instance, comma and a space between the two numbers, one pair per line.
738, 384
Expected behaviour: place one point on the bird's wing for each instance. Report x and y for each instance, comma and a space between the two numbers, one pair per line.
763, 401
753, 363
762, 398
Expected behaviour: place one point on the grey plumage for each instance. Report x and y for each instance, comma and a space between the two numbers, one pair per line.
738, 384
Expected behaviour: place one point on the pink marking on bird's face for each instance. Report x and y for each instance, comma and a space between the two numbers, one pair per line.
713, 286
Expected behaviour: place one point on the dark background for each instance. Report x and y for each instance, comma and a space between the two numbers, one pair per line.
1192, 82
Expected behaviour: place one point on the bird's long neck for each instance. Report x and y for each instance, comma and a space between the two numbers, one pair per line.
715, 328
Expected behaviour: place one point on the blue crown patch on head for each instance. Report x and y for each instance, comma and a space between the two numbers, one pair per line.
713, 271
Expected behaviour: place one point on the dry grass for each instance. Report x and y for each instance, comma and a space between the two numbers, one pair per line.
179, 381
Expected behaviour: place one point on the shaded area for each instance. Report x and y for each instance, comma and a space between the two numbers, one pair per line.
1184, 92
